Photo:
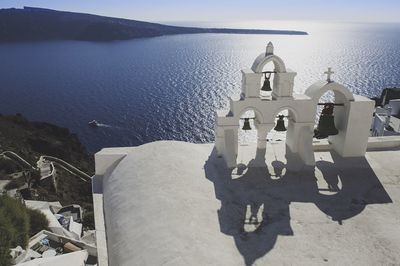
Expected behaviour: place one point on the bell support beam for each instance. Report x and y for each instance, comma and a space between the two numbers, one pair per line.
335, 104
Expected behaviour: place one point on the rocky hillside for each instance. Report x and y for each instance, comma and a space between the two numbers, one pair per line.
39, 24
30, 140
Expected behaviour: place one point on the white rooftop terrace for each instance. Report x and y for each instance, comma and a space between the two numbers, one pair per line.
175, 203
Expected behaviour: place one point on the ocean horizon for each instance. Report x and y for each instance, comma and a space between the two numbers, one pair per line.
169, 87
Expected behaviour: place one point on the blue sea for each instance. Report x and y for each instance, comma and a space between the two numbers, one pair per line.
169, 87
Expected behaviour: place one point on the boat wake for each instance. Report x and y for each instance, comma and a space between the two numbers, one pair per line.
95, 124
103, 125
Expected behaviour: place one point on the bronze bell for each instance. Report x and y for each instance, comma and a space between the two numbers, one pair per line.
326, 124
246, 124
280, 124
267, 84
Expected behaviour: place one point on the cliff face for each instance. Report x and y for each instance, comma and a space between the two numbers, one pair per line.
32, 139
38, 24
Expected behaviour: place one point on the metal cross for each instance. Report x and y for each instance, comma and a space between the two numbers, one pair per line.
329, 73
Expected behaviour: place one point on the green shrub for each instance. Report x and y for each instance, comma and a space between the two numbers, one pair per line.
5, 245
17, 224
37, 222
14, 227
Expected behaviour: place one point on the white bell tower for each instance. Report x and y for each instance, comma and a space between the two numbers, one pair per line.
353, 121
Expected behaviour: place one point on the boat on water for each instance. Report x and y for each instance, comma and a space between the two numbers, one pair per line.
94, 123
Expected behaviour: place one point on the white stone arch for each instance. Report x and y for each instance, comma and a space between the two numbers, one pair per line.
264, 59
258, 114
352, 120
292, 111
318, 89
299, 132
342, 96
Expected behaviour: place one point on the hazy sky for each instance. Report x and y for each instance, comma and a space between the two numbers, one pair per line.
220, 11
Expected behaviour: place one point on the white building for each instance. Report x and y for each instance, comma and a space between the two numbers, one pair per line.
303, 203
387, 119
353, 119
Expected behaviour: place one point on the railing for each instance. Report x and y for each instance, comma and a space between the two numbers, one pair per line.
68, 167
16, 157
61, 163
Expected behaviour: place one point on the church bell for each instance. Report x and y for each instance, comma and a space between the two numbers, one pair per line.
280, 124
267, 84
326, 124
246, 124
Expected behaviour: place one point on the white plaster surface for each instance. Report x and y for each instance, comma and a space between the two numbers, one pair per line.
77, 258
108, 158
175, 203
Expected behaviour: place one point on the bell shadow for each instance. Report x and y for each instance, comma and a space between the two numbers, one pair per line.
360, 187
330, 174
259, 159
255, 194
279, 168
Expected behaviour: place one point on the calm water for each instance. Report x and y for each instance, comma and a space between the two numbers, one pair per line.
169, 87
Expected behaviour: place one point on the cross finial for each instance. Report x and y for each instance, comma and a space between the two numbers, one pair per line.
329, 73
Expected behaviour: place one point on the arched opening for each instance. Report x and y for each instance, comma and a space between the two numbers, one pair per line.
262, 60
327, 97
247, 138
263, 143
268, 64
267, 81
289, 117
276, 157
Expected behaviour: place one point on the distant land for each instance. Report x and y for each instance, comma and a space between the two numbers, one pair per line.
39, 24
